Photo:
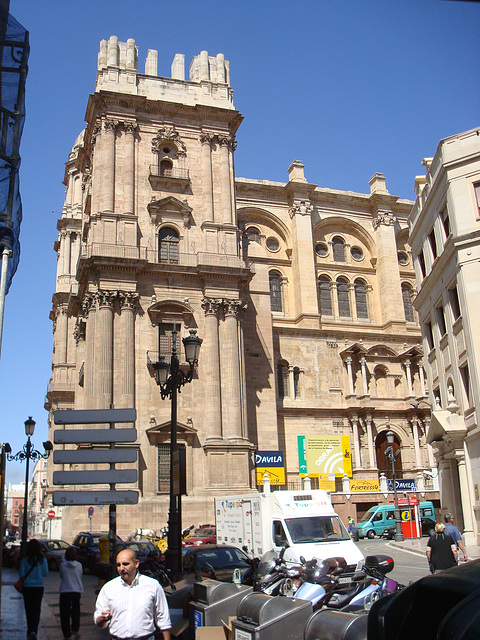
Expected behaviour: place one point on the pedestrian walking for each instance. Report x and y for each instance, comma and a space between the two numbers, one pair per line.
132, 605
33, 569
441, 550
71, 589
351, 526
454, 531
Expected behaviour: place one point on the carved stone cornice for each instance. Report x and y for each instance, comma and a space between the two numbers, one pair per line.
169, 133
212, 306
386, 218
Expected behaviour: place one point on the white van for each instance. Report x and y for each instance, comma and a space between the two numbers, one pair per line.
304, 520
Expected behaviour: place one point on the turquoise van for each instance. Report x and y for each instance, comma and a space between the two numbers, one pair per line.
381, 517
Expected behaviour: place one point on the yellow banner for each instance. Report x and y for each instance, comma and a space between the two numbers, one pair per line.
328, 455
326, 483
365, 485
276, 474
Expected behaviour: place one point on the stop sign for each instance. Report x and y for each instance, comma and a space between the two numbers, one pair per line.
51, 513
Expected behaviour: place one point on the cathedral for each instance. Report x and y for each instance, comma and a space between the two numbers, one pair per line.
301, 295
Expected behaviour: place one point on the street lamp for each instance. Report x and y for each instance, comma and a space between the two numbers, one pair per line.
392, 457
170, 378
27, 453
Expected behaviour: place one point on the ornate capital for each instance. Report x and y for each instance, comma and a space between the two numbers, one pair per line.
169, 133
211, 306
384, 217
97, 127
301, 207
225, 140
110, 125
88, 303
106, 299
205, 137
130, 127
233, 307
128, 300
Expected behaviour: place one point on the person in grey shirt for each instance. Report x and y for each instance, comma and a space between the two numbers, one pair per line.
452, 530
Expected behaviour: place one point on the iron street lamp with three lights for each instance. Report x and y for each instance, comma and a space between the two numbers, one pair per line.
171, 378
392, 456
27, 453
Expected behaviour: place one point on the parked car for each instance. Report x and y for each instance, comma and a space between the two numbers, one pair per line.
215, 561
53, 550
88, 553
202, 535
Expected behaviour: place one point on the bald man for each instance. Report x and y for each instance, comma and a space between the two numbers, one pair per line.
133, 606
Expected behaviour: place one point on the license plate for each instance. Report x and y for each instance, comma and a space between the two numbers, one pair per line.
344, 580
242, 635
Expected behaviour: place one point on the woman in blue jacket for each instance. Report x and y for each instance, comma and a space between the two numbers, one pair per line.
33, 570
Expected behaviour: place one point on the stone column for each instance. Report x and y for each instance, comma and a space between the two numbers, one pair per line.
95, 166
363, 364
334, 297
89, 312
108, 166
225, 144
291, 374
388, 274
350, 375
371, 453
207, 183
356, 442
351, 298
416, 442
128, 303
465, 501
129, 174
104, 349
408, 372
67, 253
75, 253
61, 335
211, 366
231, 384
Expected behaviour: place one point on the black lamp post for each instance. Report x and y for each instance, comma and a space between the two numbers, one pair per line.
171, 379
27, 453
392, 457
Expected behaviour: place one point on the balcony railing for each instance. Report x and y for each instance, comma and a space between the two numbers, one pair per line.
169, 173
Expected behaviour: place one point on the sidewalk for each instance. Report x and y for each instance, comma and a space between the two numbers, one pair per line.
419, 545
13, 623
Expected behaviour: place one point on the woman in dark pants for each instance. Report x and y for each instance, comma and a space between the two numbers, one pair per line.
71, 589
33, 570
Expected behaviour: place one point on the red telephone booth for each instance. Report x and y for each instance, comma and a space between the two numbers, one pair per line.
411, 525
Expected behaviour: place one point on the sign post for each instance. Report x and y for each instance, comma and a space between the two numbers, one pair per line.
90, 516
51, 516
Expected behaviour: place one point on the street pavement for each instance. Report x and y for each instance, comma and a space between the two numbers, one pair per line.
13, 624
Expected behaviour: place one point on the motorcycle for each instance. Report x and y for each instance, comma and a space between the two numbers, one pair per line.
358, 591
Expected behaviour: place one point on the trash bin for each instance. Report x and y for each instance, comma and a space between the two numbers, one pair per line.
262, 617
214, 601
336, 625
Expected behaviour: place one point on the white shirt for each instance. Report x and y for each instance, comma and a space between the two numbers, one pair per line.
135, 608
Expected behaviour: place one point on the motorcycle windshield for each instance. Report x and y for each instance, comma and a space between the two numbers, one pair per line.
267, 563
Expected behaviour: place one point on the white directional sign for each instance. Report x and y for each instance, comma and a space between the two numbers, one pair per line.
94, 456
63, 498
107, 476
93, 436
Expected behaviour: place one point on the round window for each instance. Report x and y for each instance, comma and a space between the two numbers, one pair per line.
356, 253
166, 150
321, 249
272, 244
402, 258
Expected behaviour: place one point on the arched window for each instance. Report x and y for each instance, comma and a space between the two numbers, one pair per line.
168, 245
166, 168
338, 246
343, 300
407, 302
361, 299
276, 298
253, 235
282, 380
383, 464
325, 296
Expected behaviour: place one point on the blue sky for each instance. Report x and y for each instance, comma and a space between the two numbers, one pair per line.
349, 87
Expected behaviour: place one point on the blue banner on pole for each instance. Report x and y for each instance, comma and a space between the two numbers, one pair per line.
402, 484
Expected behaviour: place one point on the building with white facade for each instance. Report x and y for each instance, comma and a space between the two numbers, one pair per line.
445, 241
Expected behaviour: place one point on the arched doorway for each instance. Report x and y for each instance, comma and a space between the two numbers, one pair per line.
384, 465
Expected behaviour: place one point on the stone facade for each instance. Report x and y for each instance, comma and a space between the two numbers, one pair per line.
445, 240
302, 295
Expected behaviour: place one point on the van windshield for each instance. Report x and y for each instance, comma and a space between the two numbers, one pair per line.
368, 515
316, 529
